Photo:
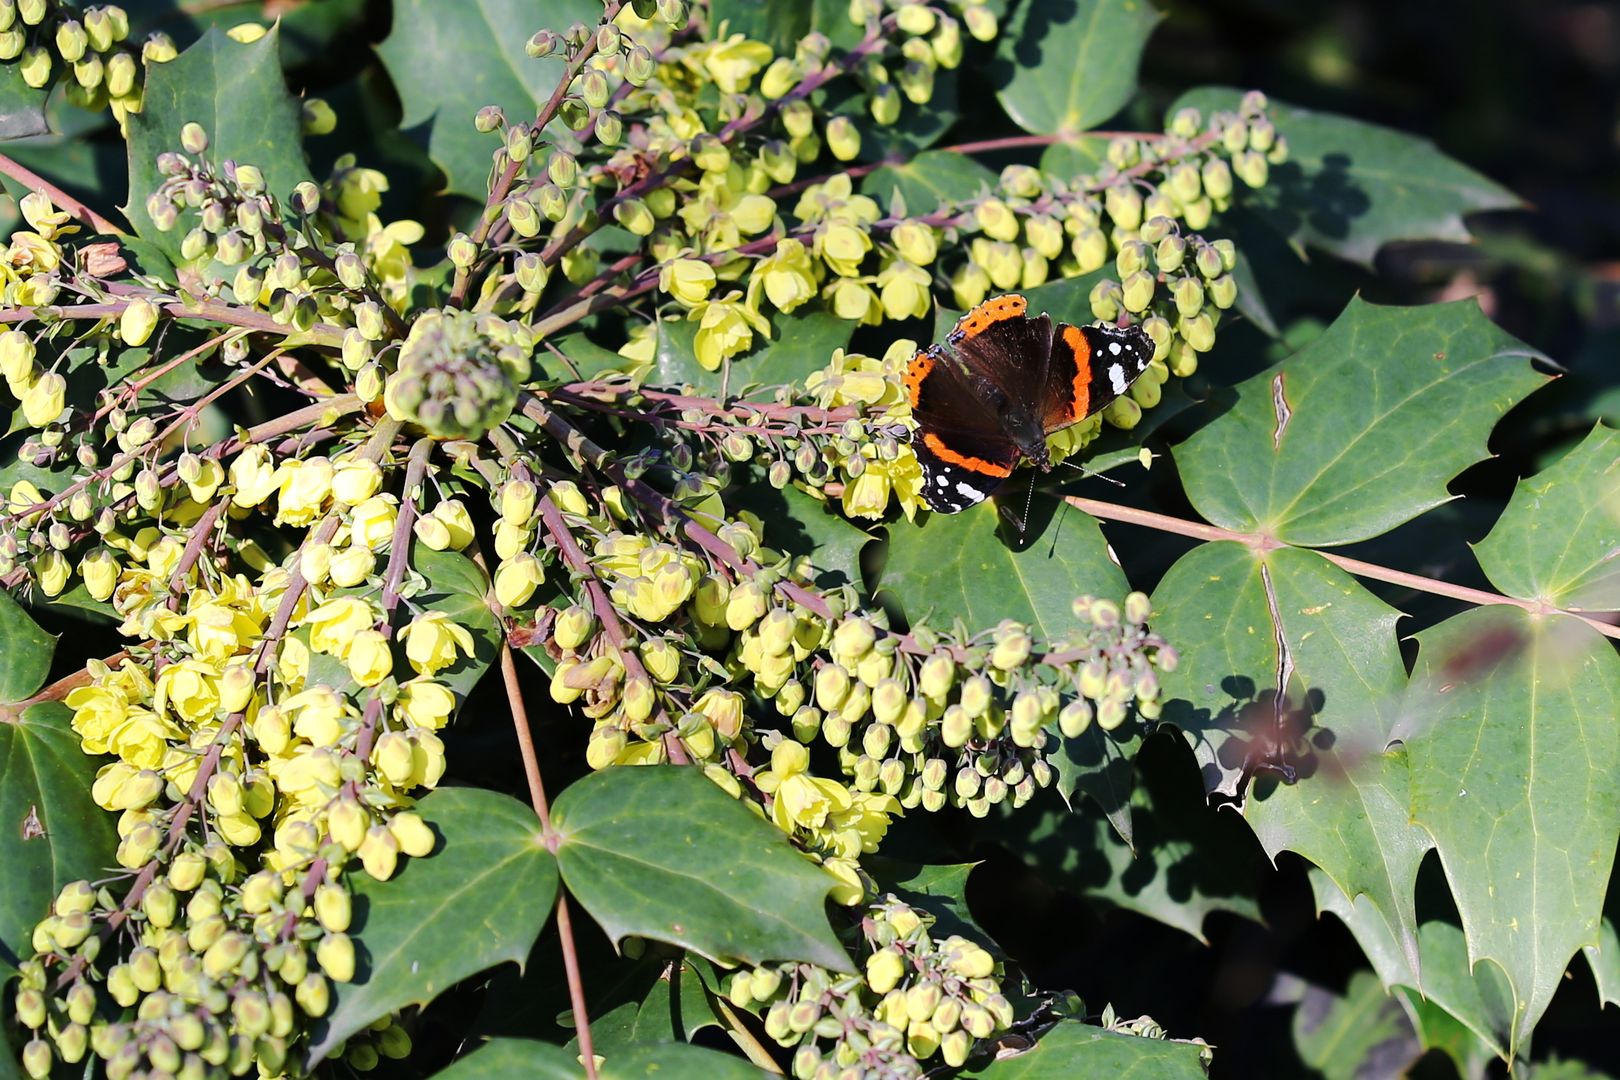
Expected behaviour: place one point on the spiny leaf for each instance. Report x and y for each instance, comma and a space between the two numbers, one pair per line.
929, 178
1070, 66
1350, 187
25, 652
940, 890
51, 831
1558, 541
236, 92
22, 108
660, 852
1360, 430
1036, 584
479, 900
1072, 1049
1363, 1032
1514, 749
513, 1059
450, 60
799, 344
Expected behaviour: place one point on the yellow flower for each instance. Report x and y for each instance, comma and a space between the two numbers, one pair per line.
725, 328
53, 570
842, 246
354, 480
370, 659
304, 488
44, 401
850, 889
689, 281
188, 688
854, 300
100, 572
318, 715
787, 277
424, 703
253, 476
916, 242
432, 641
452, 514
517, 578
217, 630
351, 566
734, 62
373, 522
802, 801
334, 625
867, 496
904, 290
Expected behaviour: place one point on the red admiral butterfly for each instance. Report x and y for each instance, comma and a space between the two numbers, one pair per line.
999, 384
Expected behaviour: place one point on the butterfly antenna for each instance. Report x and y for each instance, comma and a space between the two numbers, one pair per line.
1092, 472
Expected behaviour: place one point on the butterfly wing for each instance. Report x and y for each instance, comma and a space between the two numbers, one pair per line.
1089, 366
999, 343
960, 439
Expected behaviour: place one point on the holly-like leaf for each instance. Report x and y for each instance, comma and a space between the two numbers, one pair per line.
22, 108
1558, 541
1604, 958
940, 890
1513, 747
457, 587
676, 1061
513, 1059
928, 179
661, 852
1361, 429
1069, 66
1073, 1049
1075, 157
450, 60
51, 831
1361, 1033
778, 23
479, 900
25, 652
237, 94
1350, 187
940, 571
802, 525
798, 345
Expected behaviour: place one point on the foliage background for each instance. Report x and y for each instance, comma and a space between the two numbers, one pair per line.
1525, 92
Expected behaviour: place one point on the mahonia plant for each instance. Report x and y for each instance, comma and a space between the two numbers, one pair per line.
289, 665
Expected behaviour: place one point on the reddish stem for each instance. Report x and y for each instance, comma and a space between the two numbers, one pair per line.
35, 182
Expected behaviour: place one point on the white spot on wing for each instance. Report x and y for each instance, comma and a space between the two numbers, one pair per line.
1113, 347
1116, 378
968, 491
941, 481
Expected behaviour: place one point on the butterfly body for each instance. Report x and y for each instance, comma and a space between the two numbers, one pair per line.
988, 396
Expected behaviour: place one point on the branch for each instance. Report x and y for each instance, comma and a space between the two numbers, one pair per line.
1130, 515
35, 182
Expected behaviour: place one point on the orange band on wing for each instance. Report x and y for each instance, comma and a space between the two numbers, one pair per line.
1076, 340
916, 372
978, 465
987, 314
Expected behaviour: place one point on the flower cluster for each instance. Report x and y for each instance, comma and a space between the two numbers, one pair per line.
87, 50
918, 999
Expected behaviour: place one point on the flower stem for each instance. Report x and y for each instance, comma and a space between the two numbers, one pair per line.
35, 182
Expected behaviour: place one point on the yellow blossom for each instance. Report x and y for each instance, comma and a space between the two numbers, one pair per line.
904, 288
253, 476
372, 524
725, 328
354, 480
787, 277
304, 487
517, 578
44, 401
334, 625
842, 246
689, 281
370, 659
734, 62
424, 703
189, 689
53, 570
432, 641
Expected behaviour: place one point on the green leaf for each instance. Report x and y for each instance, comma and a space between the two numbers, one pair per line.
798, 345
1604, 958
514, 1059
1069, 66
961, 566
1361, 429
1350, 187
778, 23
1072, 1049
1480, 999
1363, 1032
1079, 156
1558, 541
1513, 747
457, 587
940, 890
677, 1061
450, 60
479, 900
1101, 766
802, 525
51, 831
22, 108
928, 179
237, 94
661, 852
25, 652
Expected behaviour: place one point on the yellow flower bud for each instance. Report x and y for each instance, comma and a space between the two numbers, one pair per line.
516, 580
379, 854
335, 954
689, 281
351, 566
44, 401
415, 838
354, 480
347, 821
53, 570
370, 658
136, 323
884, 969
100, 570
332, 906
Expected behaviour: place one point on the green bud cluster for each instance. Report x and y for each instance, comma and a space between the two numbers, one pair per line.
459, 372
919, 1001
86, 50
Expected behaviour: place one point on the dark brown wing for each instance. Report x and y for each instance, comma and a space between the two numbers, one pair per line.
960, 439
1089, 367
998, 342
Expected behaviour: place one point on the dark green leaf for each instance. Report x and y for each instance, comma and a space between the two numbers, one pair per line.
1071, 65
1100, 765
928, 179
450, 60
940, 890
677, 1061
1513, 747
1073, 1050
305, 29
798, 345
800, 524
1604, 958
457, 587
661, 852
1558, 541
1075, 157
961, 566
479, 900
1350, 187
778, 23
51, 831
1361, 429
514, 1059
589, 359
1361, 1033
25, 652
237, 94
22, 108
